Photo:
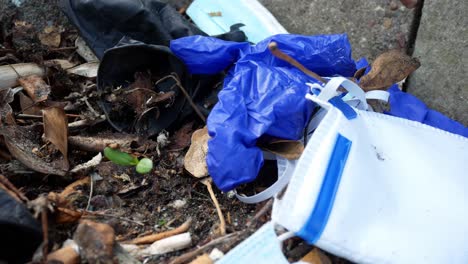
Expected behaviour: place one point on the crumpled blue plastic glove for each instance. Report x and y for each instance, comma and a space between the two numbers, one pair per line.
262, 95
409, 107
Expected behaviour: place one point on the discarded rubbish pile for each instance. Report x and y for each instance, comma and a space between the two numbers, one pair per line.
100, 137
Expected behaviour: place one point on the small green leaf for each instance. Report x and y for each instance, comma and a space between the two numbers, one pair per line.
144, 166
119, 157
161, 222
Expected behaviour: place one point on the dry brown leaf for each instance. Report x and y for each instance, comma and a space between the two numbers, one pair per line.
50, 36
390, 67
28, 106
65, 255
56, 131
139, 92
6, 97
65, 198
96, 241
126, 142
288, 149
359, 73
67, 216
181, 138
195, 159
21, 141
35, 87
62, 64
316, 256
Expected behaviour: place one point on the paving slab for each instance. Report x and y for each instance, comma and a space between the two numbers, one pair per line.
442, 48
372, 26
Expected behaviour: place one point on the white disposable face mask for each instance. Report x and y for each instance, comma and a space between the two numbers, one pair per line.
263, 247
374, 188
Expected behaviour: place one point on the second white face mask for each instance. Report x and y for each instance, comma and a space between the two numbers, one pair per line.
380, 189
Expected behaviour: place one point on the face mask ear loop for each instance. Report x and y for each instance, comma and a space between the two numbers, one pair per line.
285, 236
378, 95
331, 90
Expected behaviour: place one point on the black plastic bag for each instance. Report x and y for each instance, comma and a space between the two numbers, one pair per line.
20, 233
103, 23
117, 70
132, 37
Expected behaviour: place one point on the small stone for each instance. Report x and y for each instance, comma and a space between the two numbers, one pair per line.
231, 194
178, 204
96, 241
387, 23
393, 5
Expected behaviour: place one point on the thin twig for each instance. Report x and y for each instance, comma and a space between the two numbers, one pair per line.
273, 47
13, 188
86, 122
222, 222
90, 107
183, 9
224, 239
26, 116
91, 183
97, 214
63, 49
155, 237
189, 99
13, 68
45, 230
261, 212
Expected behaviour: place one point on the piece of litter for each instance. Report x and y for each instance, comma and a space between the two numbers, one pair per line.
216, 254
167, 245
177, 204
96, 160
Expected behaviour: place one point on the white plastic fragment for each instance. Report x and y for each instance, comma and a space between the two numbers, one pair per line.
131, 249
88, 69
216, 254
163, 139
84, 51
177, 204
71, 243
167, 245
89, 164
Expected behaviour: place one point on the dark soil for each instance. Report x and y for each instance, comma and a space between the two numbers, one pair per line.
133, 203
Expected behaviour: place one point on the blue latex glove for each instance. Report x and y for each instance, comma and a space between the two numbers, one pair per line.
262, 95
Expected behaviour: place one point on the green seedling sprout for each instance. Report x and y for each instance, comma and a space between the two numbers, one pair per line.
118, 157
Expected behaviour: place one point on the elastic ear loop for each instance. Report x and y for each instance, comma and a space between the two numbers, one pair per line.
269, 192
378, 95
331, 90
